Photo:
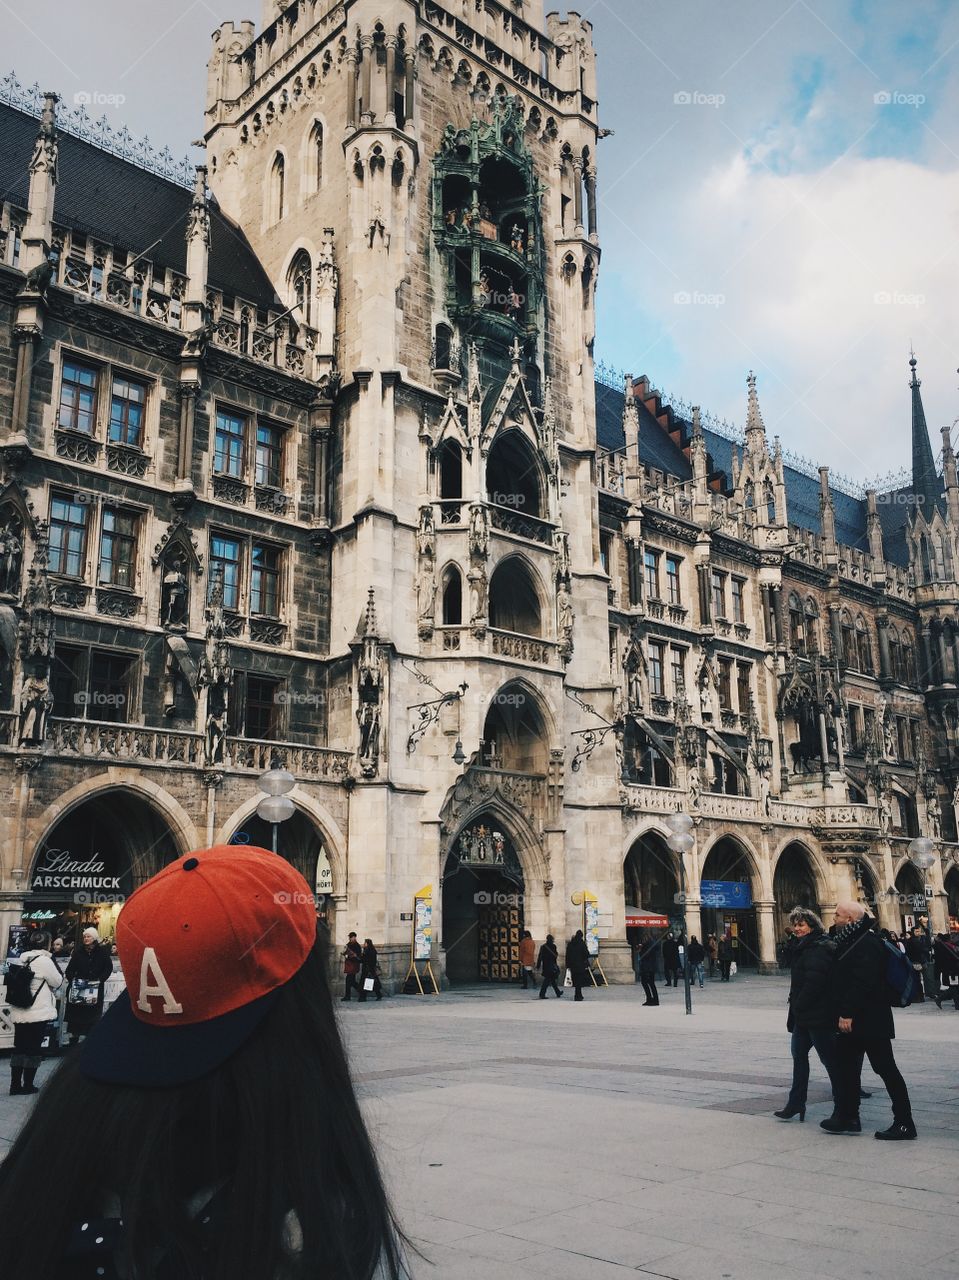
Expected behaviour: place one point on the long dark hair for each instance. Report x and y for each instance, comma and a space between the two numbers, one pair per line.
277, 1128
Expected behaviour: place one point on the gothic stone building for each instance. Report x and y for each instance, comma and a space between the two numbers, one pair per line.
305, 464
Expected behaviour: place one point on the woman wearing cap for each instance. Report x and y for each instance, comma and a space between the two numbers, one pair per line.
222, 1137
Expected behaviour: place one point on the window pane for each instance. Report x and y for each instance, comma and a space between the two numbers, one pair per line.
656, 682
738, 611
110, 687
78, 398
269, 456
265, 580
68, 528
126, 412
225, 568
118, 548
230, 444
261, 720
672, 580
651, 562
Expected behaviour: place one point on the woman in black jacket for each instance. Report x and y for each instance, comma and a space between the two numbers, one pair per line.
548, 964
369, 968
577, 962
810, 1019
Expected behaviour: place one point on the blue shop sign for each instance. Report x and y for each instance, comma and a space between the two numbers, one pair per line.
736, 894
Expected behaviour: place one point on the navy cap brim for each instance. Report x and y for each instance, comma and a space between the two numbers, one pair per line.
123, 1050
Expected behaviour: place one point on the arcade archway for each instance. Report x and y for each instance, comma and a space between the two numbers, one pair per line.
483, 904
301, 844
912, 895
92, 859
794, 885
651, 886
728, 885
951, 885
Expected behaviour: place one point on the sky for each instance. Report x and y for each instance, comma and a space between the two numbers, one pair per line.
780, 192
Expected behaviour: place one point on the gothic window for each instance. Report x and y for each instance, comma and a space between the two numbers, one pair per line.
513, 599
225, 568
111, 686
724, 683
895, 655
269, 456
452, 597
657, 675
300, 285
229, 454
908, 660
68, 535
738, 596
261, 720
769, 499
863, 646
443, 347
451, 476
513, 474
849, 650
78, 397
717, 583
265, 565
316, 155
246, 319
118, 548
924, 559
651, 570
673, 587
743, 687
277, 189
605, 550
813, 638
127, 404
945, 558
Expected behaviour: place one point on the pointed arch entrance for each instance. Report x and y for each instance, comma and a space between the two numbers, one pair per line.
794, 885
301, 844
651, 885
483, 903
730, 865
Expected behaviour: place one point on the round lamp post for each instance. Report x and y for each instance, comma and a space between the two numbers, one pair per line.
276, 806
922, 854
680, 841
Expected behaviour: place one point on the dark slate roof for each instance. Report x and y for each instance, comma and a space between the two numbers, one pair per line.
120, 203
893, 509
657, 449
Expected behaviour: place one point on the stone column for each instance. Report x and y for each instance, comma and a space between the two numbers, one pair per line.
320, 435
591, 204
410, 83
777, 598
366, 45
765, 919
184, 458
392, 62
705, 609
578, 193
885, 662
352, 84
767, 608
26, 338
925, 654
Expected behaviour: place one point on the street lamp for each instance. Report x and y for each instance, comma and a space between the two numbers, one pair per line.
276, 806
922, 854
681, 840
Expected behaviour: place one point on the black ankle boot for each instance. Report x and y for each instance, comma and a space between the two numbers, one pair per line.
29, 1075
16, 1080
898, 1131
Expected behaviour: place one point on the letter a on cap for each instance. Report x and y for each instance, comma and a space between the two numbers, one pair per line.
153, 983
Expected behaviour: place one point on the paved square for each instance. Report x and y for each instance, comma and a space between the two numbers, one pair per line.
528, 1140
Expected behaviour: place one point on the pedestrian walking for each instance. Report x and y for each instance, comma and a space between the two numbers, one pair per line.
865, 1025
695, 957
31, 1019
648, 957
917, 950
947, 970
577, 962
548, 965
671, 960
352, 963
712, 950
225, 1139
811, 1018
527, 960
369, 971
725, 949
89, 968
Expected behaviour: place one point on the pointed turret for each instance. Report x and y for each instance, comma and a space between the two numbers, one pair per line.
950, 478
755, 427
926, 484
827, 516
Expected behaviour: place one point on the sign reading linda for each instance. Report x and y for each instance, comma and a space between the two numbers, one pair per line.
58, 870
725, 893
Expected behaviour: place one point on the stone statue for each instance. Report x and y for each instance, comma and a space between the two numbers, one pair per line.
174, 602
36, 703
479, 530
885, 814
934, 814
426, 535
215, 736
368, 718
11, 559
477, 581
695, 787
38, 278
196, 340
426, 596
564, 609
517, 239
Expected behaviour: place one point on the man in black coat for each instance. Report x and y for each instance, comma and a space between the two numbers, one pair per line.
577, 962
648, 950
865, 1026
671, 961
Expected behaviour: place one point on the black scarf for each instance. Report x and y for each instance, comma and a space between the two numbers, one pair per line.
848, 933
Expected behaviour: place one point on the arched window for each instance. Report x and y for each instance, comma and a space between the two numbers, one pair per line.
316, 155
277, 189
452, 597
863, 646
849, 651
300, 285
945, 558
769, 498
813, 638
908, 659
895, 654
513, 599
442, 347
797, 630
451, 481
925, 562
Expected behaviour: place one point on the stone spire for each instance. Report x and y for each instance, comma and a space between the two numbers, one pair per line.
38, 232
874, 534
631, 425
950, 478
827, 515
755, 427
926, 484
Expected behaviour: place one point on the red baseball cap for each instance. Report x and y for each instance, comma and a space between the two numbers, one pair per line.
205, 947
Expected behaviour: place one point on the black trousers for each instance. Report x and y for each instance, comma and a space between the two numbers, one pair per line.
27, 1039
549, 980
649, 987
850, 1051
352, 984
725, 966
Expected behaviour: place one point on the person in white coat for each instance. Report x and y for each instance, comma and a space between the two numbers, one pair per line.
30, 1025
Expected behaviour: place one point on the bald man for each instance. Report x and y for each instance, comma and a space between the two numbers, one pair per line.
865, 1026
